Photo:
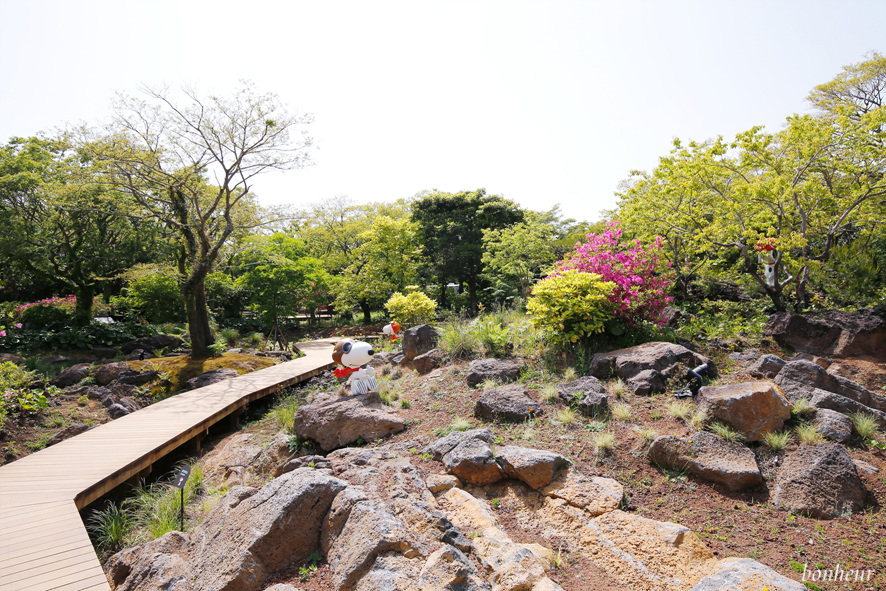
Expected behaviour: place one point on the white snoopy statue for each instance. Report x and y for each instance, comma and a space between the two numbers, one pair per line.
354, 357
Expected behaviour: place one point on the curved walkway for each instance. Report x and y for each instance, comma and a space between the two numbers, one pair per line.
43, 542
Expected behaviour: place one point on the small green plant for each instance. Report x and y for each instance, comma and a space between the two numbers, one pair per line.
726, 432
549, 393
83, 400
808, 434
496, 503
865, 424
621, 412
404, 403
595, 426
604, 442
218, 348
801, 407
618, 388
569, 374
109, 527
457, 339
776, 441
230, 336
490, 334
698, 419
489, 384
556, 560
284, 411
459, 424
680, 409
565, 416
656, 415
310, 567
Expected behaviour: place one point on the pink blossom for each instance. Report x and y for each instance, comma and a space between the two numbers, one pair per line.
635, 270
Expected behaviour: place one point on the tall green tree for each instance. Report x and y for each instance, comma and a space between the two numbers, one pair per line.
67, 228
386, 261
189, 162
450, 230
281, 278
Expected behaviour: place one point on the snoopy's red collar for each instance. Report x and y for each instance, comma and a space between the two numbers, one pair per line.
344, 372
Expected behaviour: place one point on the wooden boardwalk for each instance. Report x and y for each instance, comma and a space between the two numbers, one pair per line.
43, 542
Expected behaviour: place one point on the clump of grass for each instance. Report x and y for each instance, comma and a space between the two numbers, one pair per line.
596, 426
569, 374
726, 432
230, 335
549, 393
801, 407
565, 416
109, 527
604, 442
646, 433
255, 339
618, 388
865, 424
621, 412
489, 384
459, 424
776, 440
808, 434
680, 409
404, 403
458, 340
698, 419
556, 560
284, 411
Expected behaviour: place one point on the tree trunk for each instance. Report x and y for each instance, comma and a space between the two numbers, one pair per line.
472, 290
194, 296
83, 310
367, 311
442, 301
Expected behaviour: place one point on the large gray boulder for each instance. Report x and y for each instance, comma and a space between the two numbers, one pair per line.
709, 457
248, 535
472, 461
501, 370
568, 392
832, 333
766, 367
535, 467
647, 367
753, 408
800, 379
507, 403
336, 421
71, 375
419, 340
833, 425
820, 481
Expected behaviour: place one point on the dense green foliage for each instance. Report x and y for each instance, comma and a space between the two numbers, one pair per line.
571, 306
410, 309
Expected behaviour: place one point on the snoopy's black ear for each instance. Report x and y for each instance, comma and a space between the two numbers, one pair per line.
346, 347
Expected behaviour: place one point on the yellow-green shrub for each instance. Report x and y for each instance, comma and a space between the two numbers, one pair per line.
571, 306
410, 309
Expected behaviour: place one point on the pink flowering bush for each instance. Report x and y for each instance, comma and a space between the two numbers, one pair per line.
641, 279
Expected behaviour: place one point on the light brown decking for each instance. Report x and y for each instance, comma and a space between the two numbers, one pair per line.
43, 542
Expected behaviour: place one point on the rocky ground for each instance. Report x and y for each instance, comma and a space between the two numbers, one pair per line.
537, 504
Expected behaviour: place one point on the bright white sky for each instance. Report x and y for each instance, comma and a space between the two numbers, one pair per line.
543, 102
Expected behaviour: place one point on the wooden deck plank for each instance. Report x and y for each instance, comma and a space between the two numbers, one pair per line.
43, 542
